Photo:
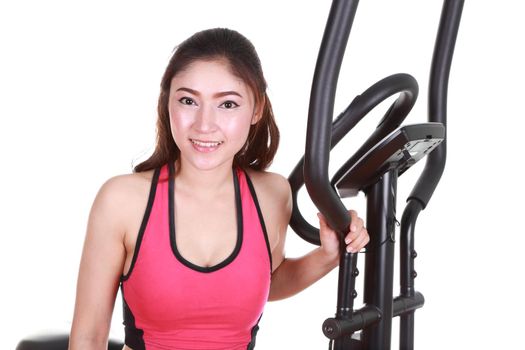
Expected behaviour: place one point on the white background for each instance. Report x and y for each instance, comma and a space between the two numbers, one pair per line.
78, 89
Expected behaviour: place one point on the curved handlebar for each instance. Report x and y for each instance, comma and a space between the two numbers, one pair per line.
358, 108
320, 114
408, 88
437, 98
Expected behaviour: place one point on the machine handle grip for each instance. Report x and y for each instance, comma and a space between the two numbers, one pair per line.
320, 115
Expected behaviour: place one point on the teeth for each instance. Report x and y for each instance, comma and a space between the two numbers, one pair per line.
205, 144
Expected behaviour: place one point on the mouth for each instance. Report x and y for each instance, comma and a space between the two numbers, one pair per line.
206, 146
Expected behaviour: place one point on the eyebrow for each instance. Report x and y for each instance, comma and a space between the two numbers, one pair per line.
218, 94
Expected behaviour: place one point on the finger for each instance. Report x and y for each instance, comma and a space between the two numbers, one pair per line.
353, 219
360, 224
356, 246
322, 220
356, 223
360, 242
355, 230
353, 244
350, 237
356, 236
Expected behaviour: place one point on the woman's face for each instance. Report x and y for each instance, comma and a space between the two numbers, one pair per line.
211, 111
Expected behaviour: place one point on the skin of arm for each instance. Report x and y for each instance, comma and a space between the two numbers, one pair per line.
292, 275
101, 266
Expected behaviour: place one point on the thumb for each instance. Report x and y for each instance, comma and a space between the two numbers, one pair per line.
324, 229
322, 223
322, 220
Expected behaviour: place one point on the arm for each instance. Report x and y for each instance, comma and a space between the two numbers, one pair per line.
100, 268
292, 275
296, 274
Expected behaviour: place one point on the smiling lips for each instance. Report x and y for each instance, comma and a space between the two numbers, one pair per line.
205, 146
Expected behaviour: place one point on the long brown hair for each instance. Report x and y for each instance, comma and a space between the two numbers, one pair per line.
239, 53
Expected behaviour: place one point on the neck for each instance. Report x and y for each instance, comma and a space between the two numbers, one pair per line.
203, 181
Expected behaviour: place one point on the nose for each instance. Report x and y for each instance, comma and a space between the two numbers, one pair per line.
205, 120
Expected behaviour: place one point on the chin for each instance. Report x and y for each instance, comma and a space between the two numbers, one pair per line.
209, 164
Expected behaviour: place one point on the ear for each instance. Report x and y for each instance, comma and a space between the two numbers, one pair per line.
258, 112
256, 117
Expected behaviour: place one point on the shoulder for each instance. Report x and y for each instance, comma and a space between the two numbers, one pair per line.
120, 195
120, 187
275, 200
271, 185
270, 182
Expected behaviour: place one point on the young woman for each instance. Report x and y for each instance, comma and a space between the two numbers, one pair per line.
195, 235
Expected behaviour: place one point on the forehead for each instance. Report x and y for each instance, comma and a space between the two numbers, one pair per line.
209, 76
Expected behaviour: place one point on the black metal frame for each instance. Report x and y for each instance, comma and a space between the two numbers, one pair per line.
375, 318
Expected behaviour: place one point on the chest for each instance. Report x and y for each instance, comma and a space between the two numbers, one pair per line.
170, 287
206, 231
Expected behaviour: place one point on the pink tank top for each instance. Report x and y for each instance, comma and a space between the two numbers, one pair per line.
170, 303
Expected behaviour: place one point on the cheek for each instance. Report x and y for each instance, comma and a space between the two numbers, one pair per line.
239, 129
178, 123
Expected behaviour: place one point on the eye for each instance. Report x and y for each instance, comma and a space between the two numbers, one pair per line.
187, 101
229, 105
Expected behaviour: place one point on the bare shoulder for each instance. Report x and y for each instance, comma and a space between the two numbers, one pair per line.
120, 188
275, 200
123, 196
271, 185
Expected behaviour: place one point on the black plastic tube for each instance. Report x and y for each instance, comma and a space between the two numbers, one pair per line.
407, 252
437, 97
404, 305
379, 260
366, 316
320, 114
435, 165
407, 271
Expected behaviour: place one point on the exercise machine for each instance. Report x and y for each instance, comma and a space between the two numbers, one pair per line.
374, 169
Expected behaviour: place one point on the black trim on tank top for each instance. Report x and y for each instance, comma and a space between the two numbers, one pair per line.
133, 336
145, 218
171, 206
255, 329
261, 218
